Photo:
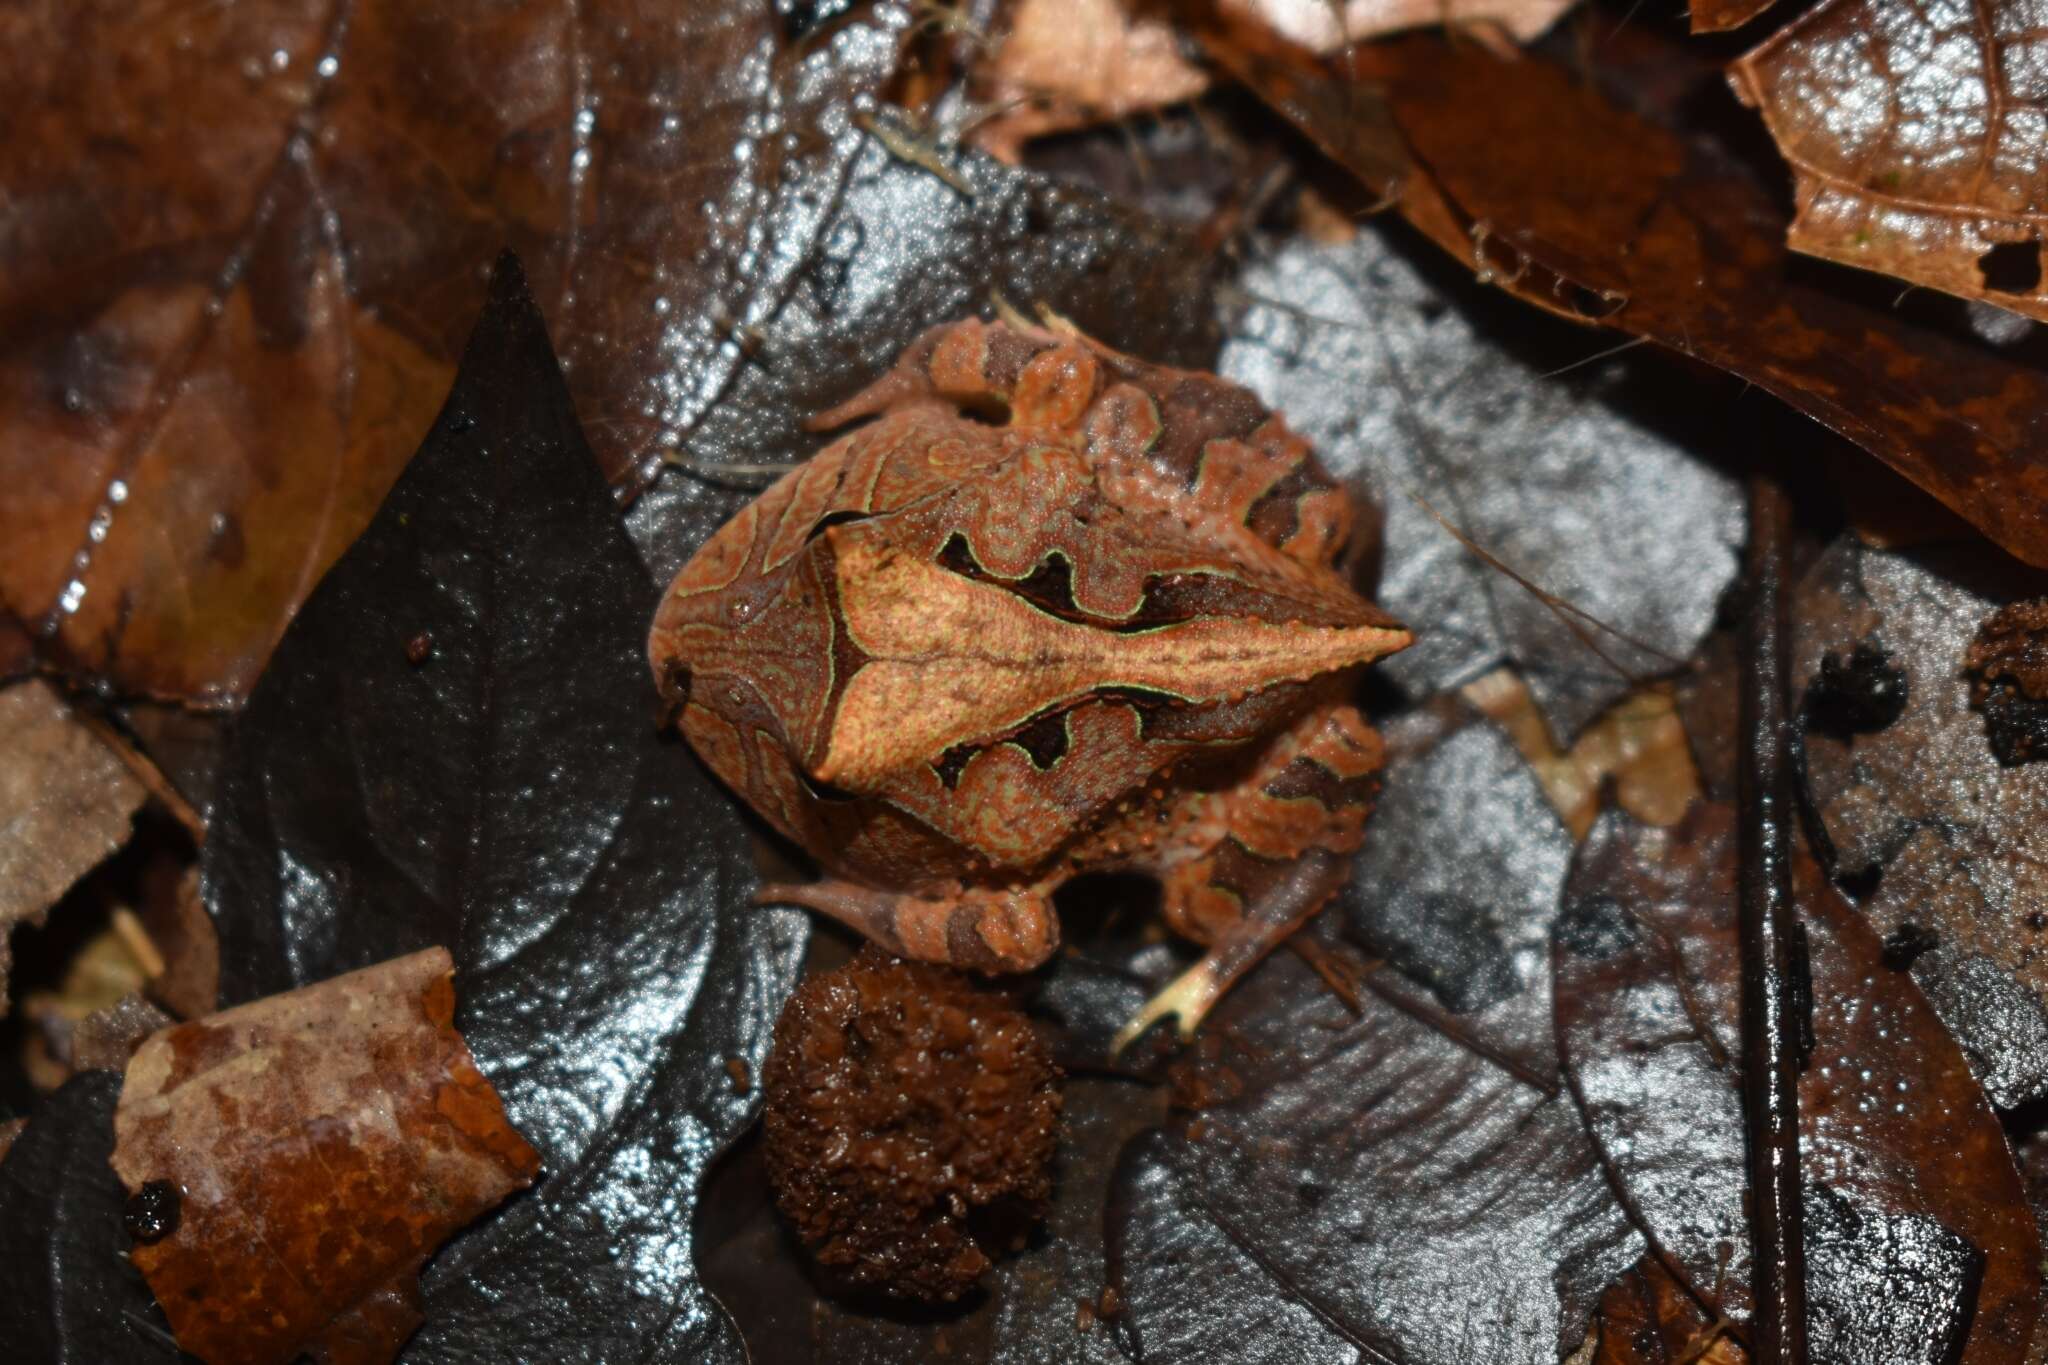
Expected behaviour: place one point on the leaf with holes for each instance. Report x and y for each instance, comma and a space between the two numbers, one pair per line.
1914, 134
1940, 839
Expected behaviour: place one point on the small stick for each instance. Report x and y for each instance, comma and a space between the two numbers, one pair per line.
1771, 1030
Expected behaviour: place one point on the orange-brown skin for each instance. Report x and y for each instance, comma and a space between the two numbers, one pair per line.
1052, 611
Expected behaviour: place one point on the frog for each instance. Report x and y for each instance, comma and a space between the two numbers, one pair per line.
1040, 610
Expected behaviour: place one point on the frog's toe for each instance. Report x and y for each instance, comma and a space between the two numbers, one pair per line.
1186, 1000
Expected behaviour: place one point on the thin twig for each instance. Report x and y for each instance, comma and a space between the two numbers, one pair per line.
1771, 1030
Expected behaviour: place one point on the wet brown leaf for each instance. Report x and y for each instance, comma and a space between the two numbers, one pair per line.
1639, 218
65, 804
1915, 133
1942, 841
1920, 1244
1647, 1318
308, 1152
243, 244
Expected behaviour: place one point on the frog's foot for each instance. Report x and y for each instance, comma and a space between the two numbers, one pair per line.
1281, 905
987, 929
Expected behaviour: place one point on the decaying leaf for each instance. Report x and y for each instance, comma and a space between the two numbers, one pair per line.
456, 741
65, 804
1919, 1243
1458, 883
309, 1151
1915, 135
1352, 341
243, 244
1943, 842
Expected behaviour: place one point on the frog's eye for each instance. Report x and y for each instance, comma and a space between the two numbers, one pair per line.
823, 791
830, 520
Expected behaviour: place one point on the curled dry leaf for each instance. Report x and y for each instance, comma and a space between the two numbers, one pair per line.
1919, 1242
1606, 212
65, 804
1914, 134
1941, 840
309, 1151
245, 242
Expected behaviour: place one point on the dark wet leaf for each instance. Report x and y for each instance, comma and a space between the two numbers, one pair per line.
1918, 1237
243, 245
1458, 883
67, 1293
1379, 1189
1579, 485
904, 252
1913, 131
1640, 210
508, 794
1927, 826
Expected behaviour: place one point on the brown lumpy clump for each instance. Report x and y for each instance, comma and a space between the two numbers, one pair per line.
2008, 664
911, 1120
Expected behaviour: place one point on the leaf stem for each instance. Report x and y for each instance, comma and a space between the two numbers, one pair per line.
1771, 1031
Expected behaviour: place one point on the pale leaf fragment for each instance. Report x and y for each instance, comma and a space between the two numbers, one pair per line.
1067, 64
65, 804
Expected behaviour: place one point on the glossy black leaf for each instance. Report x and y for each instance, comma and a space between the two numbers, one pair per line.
456, 742
68, 1295
1919, 1243
904, 252
1381, 1190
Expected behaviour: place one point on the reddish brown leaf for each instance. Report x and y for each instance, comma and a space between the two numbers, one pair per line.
1596, 212
1914, 132
1919, 1239
317, 1146
243, 243
65, 803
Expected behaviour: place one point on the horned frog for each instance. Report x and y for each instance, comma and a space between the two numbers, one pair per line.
1051, 611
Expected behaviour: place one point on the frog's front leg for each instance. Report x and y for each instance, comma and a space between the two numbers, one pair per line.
1252, 863
986, 929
